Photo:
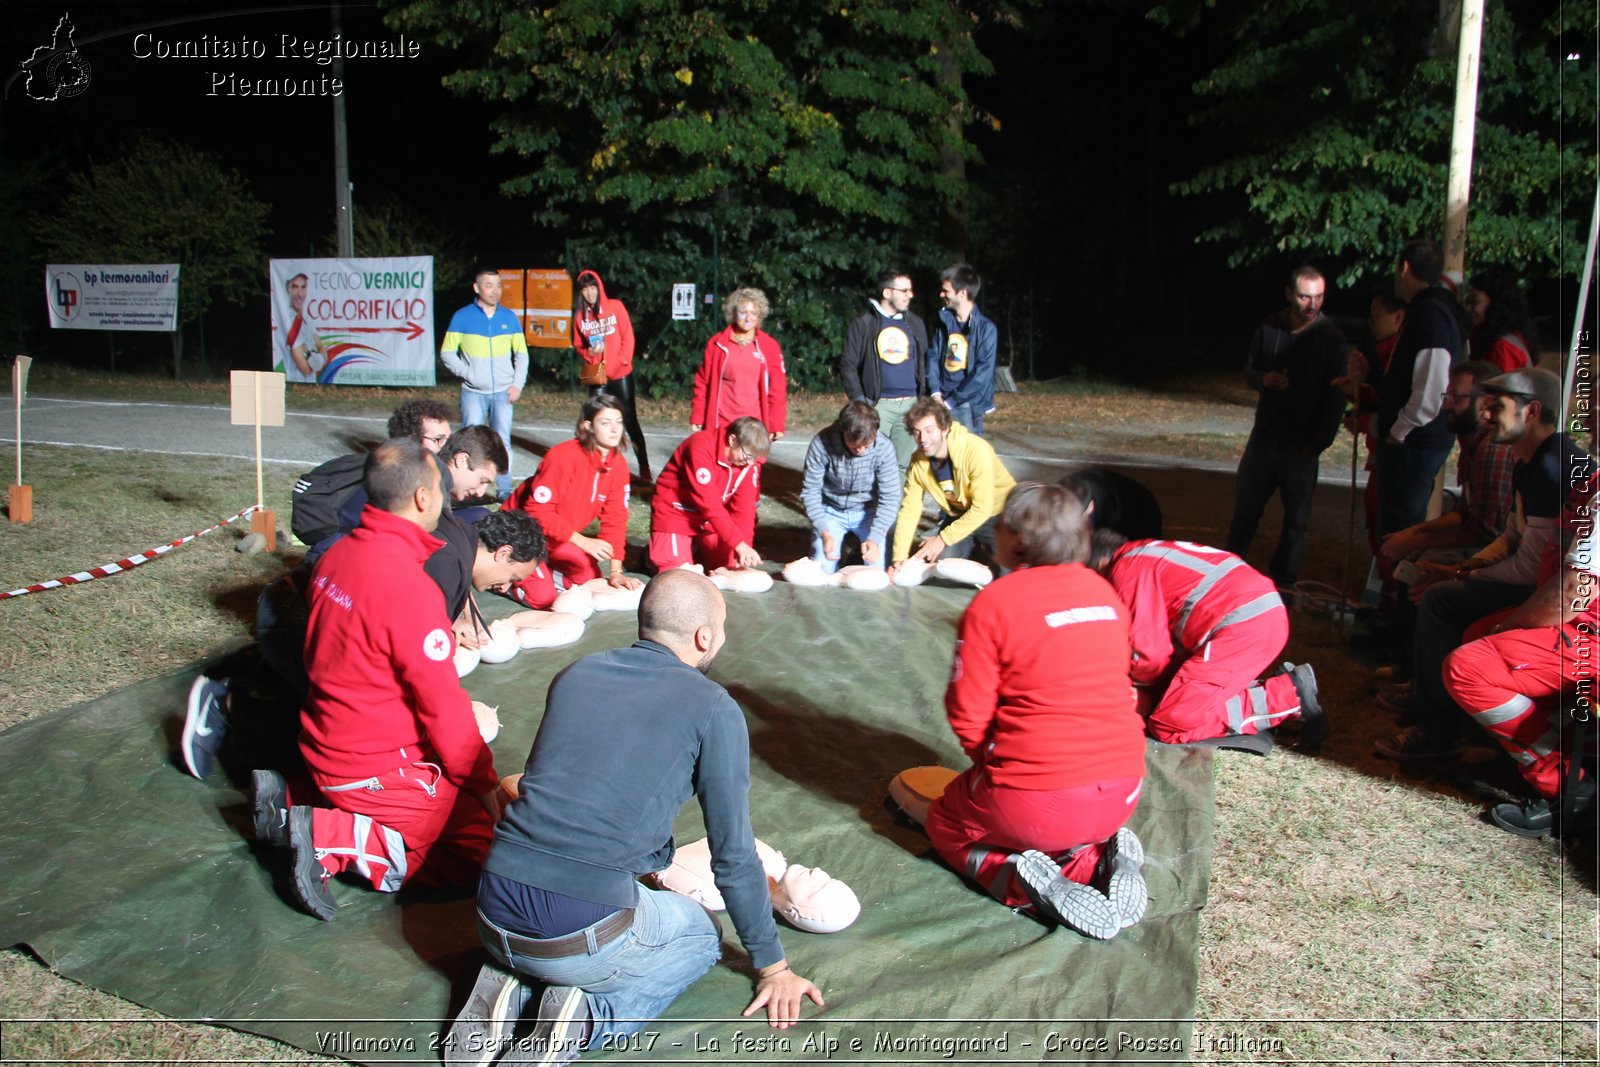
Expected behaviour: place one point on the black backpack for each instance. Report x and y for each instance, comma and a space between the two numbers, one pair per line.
321, 492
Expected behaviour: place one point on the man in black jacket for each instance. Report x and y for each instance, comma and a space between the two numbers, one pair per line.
883, 360
1294, 359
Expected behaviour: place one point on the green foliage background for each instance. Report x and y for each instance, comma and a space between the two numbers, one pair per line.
1333, 127
797, 148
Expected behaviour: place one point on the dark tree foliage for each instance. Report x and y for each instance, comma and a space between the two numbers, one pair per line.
1333, 129
796, 147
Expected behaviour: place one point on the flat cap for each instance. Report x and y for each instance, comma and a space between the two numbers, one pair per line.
1533, 382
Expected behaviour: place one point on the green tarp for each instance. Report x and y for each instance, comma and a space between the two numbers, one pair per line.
127, 875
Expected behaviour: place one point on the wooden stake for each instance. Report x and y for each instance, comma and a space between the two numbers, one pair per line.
20, 509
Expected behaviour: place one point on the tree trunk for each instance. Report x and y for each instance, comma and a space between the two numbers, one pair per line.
177, 353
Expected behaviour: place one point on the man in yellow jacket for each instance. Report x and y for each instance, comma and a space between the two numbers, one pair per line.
964, 476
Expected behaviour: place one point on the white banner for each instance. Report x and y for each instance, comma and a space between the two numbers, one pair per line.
112, 296
353, 321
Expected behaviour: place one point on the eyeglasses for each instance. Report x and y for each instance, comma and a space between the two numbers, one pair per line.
907, 289
436, 438
1458, 396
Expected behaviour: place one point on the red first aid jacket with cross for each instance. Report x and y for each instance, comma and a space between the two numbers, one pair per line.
572, 488
379, 655
700, 489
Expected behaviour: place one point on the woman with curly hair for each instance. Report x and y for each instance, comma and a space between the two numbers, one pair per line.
1502, 329
742, 373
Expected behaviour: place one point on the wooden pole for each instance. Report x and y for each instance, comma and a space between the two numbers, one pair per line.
19, 506
262, 521
1468, 53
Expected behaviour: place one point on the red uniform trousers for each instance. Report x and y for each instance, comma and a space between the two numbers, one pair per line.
573, 564
1512, 683
977, 826
410, 825
538, 590
1214, 692
671, 550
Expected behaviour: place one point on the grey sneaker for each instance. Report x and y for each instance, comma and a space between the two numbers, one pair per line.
205, 724
1124, 857
562, 1031
1082, 907
309, 876
270, 804
1313, 720
482, 1032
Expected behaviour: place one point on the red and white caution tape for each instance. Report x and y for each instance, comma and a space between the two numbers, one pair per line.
124, 564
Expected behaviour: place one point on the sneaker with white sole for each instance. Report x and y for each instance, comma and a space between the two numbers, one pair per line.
1082, 907
1313, 720
205, 724
1124, 857
565, 1023
482, 1032
270, 807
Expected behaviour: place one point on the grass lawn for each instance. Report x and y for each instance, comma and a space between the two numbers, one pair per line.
1355, 915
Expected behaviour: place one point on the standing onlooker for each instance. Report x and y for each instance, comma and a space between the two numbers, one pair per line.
883, 360
485, 348
1412, 422
1502, 329
1296, 362
961, 358
742, 373
602, 333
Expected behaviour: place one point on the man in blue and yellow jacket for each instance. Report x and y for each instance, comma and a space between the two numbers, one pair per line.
486, 349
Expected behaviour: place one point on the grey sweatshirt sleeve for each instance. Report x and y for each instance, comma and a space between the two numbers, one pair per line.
811, 486
722, 782
889, 491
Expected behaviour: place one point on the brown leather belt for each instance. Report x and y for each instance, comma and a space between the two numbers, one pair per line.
606, 931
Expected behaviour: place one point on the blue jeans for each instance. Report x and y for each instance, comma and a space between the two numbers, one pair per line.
494, 411
968, 416
838, 523
1267, 468
1405, 483
632, 980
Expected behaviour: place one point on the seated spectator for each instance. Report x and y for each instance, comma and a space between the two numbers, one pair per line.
966, 479
1040, 702
1523, 406
851, 487
1516, 680
579, 481
1204, 625
704, 508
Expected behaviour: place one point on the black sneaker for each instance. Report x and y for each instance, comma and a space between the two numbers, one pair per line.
482, 1032
1540, 817
1124, 857
204, 725
1082, 907
271, 807
309, 876
562, 1031
1313, 720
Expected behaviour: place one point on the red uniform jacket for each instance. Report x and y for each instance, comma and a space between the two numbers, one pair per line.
774, 384
572, 487
1179, 594
699, 489
608, 320
1038, 695
378, 654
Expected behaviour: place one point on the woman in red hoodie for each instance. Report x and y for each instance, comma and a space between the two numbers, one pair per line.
602, 333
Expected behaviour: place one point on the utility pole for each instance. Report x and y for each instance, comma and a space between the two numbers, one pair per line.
1468, 56
344, 222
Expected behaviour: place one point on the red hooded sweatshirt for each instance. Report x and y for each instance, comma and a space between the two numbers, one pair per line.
607, 322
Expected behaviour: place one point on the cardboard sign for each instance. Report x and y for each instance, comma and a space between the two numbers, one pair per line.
19, 378
256, 395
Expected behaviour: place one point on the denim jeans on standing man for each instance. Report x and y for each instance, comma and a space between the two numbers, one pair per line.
494, 411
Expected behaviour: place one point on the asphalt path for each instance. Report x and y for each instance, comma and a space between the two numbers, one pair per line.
307, 439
